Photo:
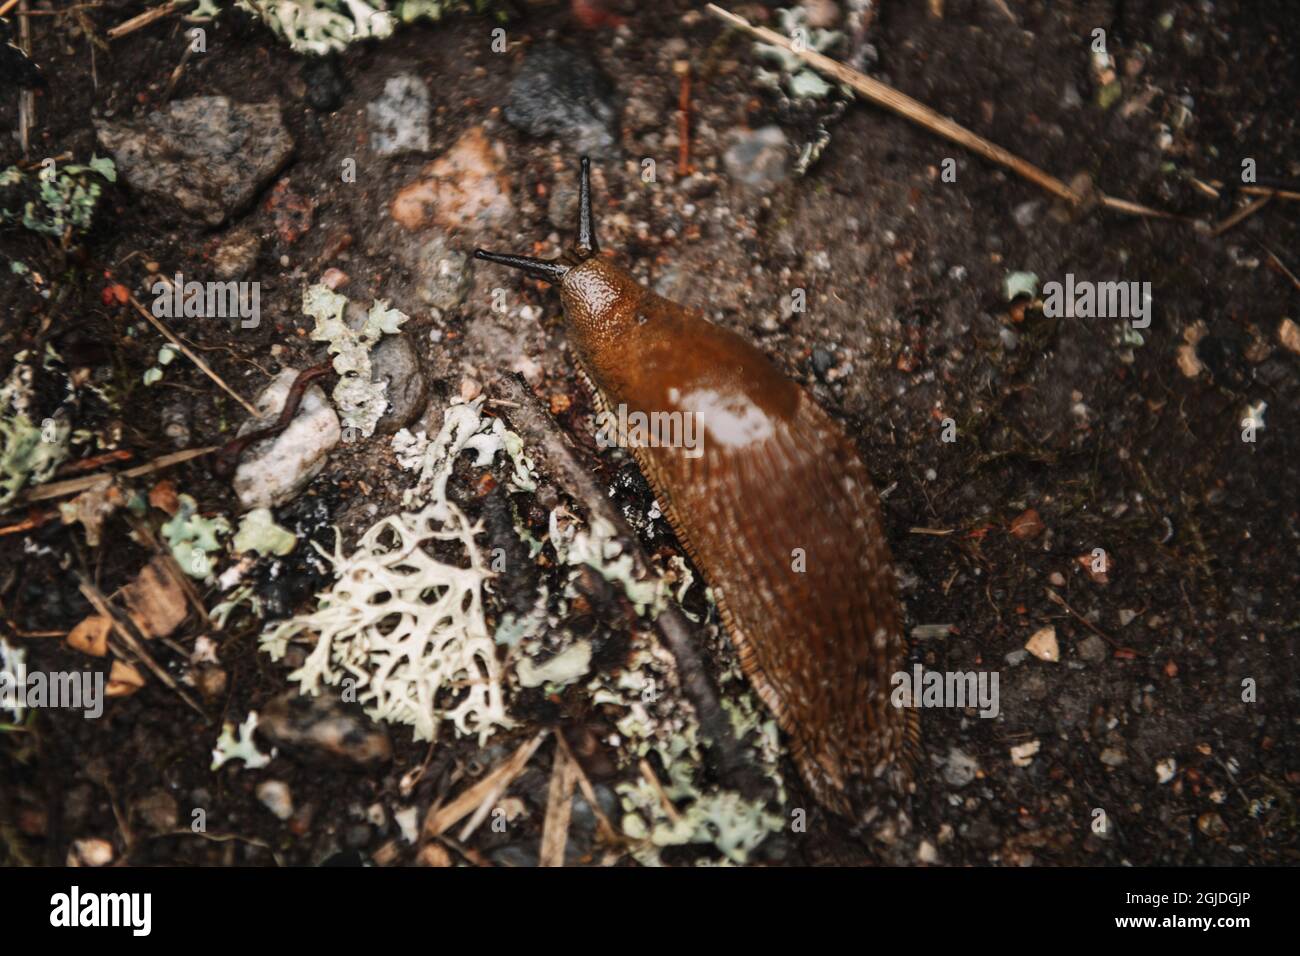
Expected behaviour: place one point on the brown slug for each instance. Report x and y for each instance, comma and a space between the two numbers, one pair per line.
778, 512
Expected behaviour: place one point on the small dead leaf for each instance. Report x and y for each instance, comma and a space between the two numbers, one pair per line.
1288, 333
123, 680
433, 854
1027, 525
155, 601
91, 635
92, 507
90, 852
1188, 362
163, 497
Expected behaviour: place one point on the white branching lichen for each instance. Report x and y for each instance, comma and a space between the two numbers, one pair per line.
404, 626
327, 26
241, 748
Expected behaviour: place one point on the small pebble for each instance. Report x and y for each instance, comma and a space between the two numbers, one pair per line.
1113, 757
275, 796
1043, 645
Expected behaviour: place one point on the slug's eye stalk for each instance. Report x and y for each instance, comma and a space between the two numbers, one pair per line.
544, 269
586, 244
553, 270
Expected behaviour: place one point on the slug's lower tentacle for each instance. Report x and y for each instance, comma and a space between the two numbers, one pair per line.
545, 269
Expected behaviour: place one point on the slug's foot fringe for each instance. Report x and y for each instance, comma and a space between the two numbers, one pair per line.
909, 756
851, 785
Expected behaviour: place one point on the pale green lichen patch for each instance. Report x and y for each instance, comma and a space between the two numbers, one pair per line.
194, 539
66, 196
259, 532
800, 80
598, 547
360, 401
561, 670
29, 452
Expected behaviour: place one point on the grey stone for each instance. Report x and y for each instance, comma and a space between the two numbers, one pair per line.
559, 92
274, 470
237, 254
399, 117
324, 729
562, 209
276, 797
204, 157
442, 274
1092, 649
758, 159
395, 361
959, 769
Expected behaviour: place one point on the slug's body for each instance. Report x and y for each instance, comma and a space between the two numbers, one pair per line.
775, 507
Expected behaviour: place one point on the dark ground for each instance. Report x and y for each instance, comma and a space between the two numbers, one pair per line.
1113, 445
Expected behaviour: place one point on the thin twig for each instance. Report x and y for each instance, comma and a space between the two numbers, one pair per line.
57, 489
176, 73
1280, 265
97, 461
438, 820
884, 95
652, 778
26, 98
142, 20
30, 523
902, 104
101, 604
1058, 600
1241, 214
683, 70
190, 354
1214, 188
603, 826
559, 810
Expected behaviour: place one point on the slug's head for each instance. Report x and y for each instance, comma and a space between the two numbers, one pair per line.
599, 297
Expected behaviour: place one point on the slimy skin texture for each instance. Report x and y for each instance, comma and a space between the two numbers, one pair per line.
778, 513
